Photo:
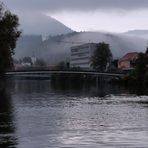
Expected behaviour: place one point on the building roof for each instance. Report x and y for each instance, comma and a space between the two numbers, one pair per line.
129, 56
83, 45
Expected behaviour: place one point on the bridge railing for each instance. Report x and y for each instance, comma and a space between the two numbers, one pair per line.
33, 69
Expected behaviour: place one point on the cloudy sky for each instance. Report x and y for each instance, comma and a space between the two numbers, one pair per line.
87, 15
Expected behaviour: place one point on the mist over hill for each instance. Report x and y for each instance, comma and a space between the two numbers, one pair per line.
28, 45
138, 33
57, 48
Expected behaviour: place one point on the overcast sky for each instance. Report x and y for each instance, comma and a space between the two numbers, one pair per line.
87, 15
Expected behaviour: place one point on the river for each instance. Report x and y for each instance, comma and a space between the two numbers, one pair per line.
34, 114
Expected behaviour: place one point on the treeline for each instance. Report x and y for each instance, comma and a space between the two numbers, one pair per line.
139, 75
9, 34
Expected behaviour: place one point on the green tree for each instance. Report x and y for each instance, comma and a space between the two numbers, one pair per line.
61, 65
9, 34
40, 63
27, 60
146, 52
141, 66
140, 74
101, 57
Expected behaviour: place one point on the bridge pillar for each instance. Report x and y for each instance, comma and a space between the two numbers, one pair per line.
97, 81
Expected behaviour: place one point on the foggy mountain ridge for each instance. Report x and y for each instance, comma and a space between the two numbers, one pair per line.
138, 33
57, 48
42, 24
27, 45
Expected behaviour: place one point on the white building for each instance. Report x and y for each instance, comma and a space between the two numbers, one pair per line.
81, 55
33, 59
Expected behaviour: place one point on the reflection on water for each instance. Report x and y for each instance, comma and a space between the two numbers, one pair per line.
7, 127
34, 114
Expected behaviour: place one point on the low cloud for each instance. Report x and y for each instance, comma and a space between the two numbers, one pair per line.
33, 12
53, 6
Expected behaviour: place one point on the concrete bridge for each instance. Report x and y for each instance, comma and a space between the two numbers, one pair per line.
47, 73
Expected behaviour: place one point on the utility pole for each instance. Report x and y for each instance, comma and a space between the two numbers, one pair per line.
147, 48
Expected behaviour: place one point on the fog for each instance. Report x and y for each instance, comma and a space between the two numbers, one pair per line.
81, 5
57, 49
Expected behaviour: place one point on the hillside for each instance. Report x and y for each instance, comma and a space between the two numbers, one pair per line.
57, 48
138, 33
28, 45
42, 24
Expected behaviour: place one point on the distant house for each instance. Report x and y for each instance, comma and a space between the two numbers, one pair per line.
18, 66
128, 61
26, 64
33, 60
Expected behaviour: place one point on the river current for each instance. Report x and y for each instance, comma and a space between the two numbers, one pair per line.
34, 114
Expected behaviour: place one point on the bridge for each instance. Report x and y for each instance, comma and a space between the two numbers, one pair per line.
47, 73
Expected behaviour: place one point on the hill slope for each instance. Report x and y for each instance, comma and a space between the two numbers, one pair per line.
42, 24
138, 33
57, 48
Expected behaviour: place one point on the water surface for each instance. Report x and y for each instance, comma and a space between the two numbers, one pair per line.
34, 114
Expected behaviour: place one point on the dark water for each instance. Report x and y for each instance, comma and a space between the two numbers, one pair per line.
34, 114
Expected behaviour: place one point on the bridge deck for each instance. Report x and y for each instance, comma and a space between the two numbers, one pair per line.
45, 72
